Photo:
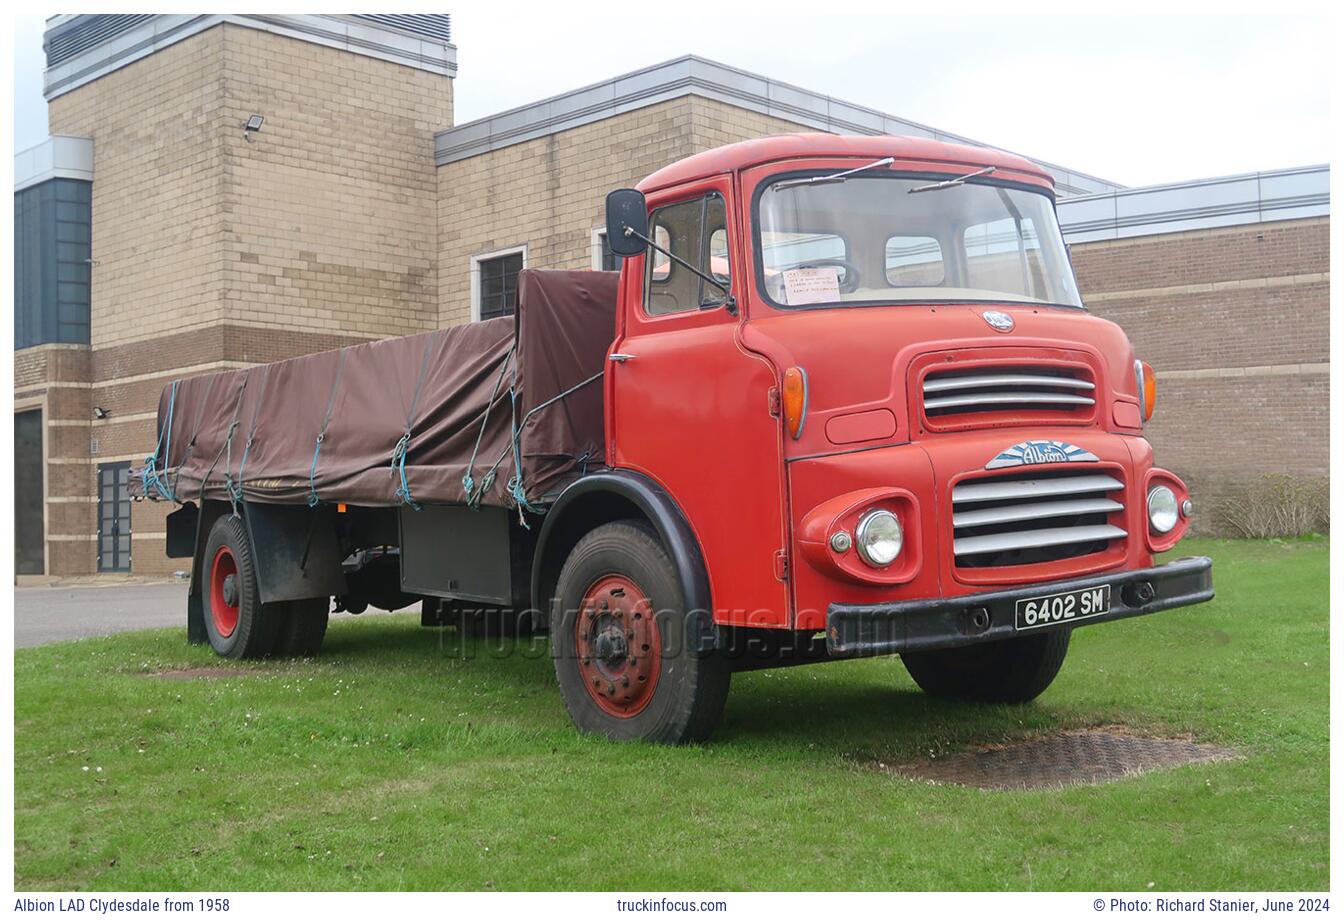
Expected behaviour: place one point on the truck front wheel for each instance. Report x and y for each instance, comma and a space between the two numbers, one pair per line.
236, 622
619, 637
1006, 671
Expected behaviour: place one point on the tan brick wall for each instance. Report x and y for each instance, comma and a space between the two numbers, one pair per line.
549, 193
158, 215
212, 251
332, 206
1236, 323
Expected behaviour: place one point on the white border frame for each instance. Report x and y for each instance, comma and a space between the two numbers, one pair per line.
476, 261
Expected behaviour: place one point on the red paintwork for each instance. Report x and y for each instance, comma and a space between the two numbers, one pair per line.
618, 611
855, 427
694, 409
224, 614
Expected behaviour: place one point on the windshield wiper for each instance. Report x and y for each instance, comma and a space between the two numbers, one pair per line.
833, 177
950, 183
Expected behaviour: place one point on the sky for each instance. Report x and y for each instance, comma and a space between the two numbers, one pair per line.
1136, 100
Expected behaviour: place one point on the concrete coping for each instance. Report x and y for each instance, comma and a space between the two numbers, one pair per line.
1224, 201
58, 157
108, 43
691, 75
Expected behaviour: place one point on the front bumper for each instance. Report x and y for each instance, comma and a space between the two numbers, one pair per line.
854, 630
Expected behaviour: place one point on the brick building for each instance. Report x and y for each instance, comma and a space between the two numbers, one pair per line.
226, 190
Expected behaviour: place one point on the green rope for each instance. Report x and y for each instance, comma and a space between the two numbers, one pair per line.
313, 500
149, 476
469, 484
516, 486
403, 446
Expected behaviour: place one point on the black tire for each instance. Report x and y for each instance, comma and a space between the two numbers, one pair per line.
245, 628
686, 689
303, 627
1006, 671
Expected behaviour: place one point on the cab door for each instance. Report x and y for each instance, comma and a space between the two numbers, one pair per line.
690, 407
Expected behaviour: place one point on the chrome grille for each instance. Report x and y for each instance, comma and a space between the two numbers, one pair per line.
1034, 517
1001, 389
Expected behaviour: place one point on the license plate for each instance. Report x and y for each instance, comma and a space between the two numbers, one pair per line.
1035, 612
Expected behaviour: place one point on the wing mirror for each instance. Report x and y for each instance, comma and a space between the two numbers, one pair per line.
626, 209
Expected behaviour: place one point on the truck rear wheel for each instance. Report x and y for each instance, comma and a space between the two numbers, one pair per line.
236, 622
303, 626
1006, 671
620, 643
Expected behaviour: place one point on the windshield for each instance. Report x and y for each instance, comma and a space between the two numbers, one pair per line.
871, 239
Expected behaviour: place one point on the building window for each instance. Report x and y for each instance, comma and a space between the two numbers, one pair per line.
494, 282
52, 238
604, 260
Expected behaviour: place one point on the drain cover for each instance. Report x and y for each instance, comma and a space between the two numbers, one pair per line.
1065, 759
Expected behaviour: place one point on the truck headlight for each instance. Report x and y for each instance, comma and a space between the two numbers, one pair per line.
879, 537
1163, 510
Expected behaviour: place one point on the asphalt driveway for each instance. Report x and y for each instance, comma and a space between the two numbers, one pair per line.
47, 614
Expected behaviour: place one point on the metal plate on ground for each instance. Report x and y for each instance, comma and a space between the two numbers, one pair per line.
1064, 759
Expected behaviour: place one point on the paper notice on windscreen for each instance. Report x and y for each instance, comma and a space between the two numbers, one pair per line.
811, 285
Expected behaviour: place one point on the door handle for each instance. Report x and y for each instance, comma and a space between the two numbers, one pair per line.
620, 357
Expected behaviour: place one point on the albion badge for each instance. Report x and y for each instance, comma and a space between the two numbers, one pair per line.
1000, 322
1029, 453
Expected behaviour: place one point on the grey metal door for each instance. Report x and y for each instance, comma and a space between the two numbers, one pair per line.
29, 502
114, 517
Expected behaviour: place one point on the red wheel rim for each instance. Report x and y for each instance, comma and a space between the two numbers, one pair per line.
616, 636
224, 592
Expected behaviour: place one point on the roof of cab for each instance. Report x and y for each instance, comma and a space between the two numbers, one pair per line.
799, 146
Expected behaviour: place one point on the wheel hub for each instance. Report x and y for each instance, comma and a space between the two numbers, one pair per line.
231, 590
618, 645
224, 592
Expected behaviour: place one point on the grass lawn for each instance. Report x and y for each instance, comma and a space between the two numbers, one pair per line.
393, 763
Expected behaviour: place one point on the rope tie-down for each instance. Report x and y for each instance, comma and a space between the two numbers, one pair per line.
516, 487
149, 476
227, 447
313, 498
469, 485
403, 445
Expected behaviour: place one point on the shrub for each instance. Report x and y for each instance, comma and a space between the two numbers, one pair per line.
1276, 505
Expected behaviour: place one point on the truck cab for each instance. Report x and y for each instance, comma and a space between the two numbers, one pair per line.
862, 372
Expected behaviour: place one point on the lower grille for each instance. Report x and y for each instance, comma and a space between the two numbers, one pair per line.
1034, 517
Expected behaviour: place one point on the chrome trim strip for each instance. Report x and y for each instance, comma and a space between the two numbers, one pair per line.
1034, 539
998, 399
995, 490
970, 381
1034, 511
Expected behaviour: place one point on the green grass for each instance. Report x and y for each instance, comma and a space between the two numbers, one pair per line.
393, 763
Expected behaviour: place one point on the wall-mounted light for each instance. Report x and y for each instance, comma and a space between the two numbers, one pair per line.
100, 413
252, 126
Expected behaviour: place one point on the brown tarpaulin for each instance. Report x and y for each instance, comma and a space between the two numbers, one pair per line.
256, 431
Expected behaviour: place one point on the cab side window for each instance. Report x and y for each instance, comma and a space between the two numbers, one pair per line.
697, 231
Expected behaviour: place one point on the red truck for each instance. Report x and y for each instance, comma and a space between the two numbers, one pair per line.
843, 399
